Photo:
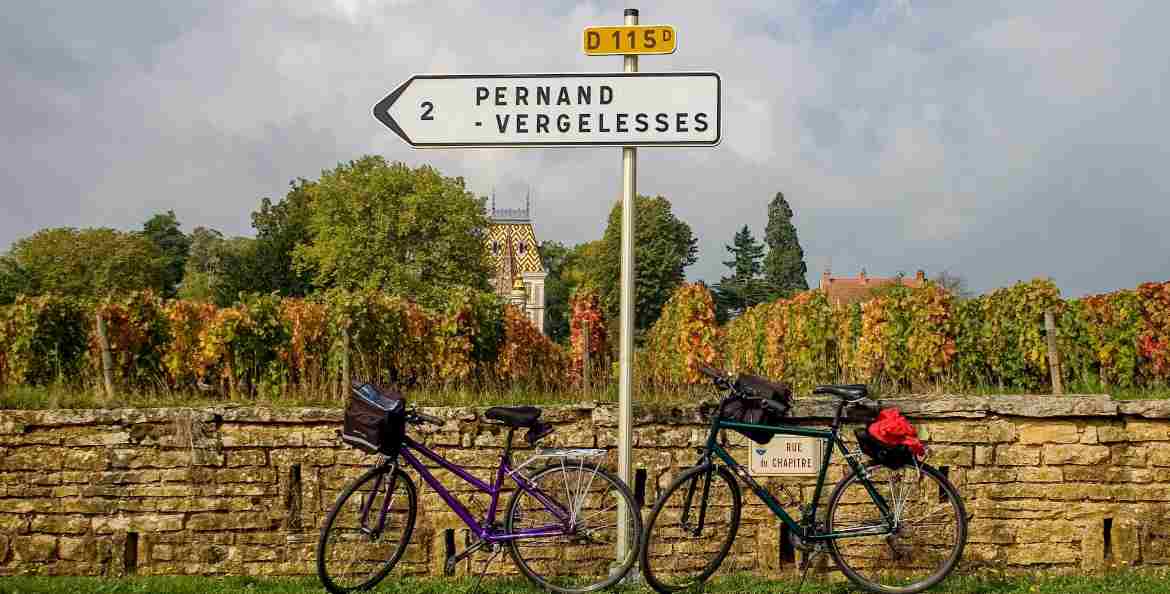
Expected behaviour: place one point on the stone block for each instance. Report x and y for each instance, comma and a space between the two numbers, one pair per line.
991, 475
1147, 429
214, 522
233, 475
992, 532
60, 524
1159, 454
138, 523
13, 524
1017, 455
1128, 455
30, 458
261, 436
76, 549
1040, 433
1107, 474
37, 548
951, 455
1040, 554
1040, 474
1112, 433
984, 455
957, 432
237, 458
83, 459
1075, 454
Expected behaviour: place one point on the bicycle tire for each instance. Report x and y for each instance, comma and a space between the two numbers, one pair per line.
328, 579
945, 488
658, 579
614, 575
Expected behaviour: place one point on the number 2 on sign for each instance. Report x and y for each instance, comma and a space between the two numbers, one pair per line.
427, 108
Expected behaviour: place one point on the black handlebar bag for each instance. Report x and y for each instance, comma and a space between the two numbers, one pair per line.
375, 419
748, 405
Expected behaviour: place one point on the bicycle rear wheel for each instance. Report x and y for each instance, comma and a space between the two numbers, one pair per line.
359, 545
584, 559
931, 529
691, 529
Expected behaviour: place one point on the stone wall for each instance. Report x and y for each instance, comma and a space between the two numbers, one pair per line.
1064, 483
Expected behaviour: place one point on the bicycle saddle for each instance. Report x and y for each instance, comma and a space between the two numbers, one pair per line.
846, 392
514, 416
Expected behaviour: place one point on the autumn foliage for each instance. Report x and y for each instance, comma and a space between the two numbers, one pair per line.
265, 345
585, 312
685, 335
919, 339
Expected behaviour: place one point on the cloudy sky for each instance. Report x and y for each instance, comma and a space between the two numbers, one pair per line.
998, 141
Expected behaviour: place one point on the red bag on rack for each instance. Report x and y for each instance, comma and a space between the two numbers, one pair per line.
892, 429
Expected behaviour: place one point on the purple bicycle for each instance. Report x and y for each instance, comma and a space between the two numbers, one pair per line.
560, 525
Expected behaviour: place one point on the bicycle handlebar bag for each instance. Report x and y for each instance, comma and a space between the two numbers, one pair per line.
749, 406
375, 419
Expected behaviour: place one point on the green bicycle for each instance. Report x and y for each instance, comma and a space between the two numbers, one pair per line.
897, 526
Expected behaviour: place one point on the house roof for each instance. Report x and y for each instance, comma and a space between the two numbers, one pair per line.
860, 288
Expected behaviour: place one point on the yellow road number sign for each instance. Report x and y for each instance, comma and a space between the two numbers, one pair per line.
609, 41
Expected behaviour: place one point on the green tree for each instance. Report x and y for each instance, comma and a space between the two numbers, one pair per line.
13, 280
745, 287
280, 228
163, 231
88, 262
784, 267
663, 247
407, 231
553, 255
219, 269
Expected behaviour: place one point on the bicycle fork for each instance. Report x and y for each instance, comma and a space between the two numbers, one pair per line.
387, 501
684, 521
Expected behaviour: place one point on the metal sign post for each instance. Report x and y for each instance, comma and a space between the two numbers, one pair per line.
626, 356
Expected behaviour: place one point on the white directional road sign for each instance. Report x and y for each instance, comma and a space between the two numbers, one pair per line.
497, 110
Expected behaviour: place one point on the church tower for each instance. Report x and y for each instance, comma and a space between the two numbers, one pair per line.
519, 273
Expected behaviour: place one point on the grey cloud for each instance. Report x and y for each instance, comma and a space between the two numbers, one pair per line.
1000, 141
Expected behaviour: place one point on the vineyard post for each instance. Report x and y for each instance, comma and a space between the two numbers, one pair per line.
107, 357
344, 384
1054, 367
586, 365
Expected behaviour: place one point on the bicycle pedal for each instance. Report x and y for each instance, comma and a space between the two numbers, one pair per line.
449, 545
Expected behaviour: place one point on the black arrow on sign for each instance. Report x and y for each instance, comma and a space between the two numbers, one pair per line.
382, 110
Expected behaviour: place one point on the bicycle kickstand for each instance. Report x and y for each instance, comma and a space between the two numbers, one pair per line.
806, 563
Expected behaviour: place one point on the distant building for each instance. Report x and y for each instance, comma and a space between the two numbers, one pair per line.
519, 274
859, 288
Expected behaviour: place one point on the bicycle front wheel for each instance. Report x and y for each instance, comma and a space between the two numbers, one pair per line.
928, 539
691, 529
366, 532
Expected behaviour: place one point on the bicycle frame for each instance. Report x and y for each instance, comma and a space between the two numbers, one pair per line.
805, 529
483, 530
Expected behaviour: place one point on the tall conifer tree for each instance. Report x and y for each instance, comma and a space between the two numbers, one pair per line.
784, 267
744, 288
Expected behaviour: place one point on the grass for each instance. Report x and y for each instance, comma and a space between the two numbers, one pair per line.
1150, 581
